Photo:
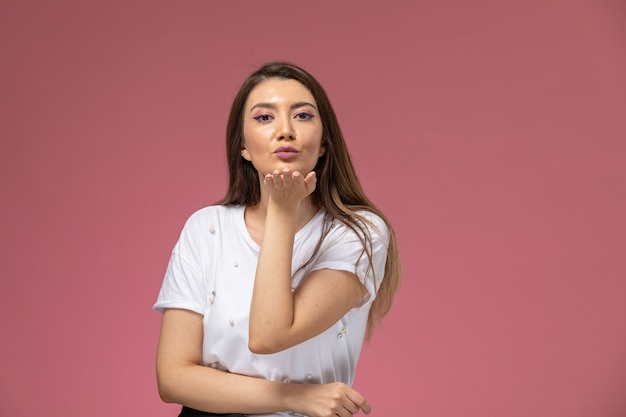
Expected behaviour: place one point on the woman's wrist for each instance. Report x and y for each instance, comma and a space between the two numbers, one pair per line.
292, 397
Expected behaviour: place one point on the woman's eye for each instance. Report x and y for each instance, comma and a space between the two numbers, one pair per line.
304, 116
262, 118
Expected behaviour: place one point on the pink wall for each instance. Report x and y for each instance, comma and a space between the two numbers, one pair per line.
493, 135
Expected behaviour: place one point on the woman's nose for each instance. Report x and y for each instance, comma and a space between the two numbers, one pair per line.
286, 130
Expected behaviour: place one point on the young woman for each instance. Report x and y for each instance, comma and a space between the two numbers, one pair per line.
270, 292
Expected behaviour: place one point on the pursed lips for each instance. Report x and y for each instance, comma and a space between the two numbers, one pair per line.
286, 152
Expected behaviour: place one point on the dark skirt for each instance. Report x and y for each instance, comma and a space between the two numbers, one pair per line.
190, 412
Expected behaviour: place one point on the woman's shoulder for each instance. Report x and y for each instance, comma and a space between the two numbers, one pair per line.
371, 216
365, 220
212, 215
216, 210
371, 219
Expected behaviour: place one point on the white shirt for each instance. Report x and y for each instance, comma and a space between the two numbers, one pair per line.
211, 272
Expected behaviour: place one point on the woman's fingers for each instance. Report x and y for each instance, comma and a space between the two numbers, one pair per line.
287, 178
289, 181
277, 178
333, 399
359, 401
351, 407
311, 181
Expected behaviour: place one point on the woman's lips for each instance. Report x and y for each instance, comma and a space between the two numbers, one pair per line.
286, 153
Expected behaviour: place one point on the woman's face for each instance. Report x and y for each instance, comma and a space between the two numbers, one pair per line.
281, 127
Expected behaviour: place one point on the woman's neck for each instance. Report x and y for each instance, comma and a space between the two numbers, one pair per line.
254, 216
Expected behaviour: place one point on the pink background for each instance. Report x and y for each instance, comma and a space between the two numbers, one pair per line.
491, 133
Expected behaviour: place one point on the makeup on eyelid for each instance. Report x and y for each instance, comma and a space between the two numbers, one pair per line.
307, 116
260, 117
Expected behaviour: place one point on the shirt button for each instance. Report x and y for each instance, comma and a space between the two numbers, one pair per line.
341, 333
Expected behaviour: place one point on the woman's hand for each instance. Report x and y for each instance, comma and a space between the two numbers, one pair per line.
289, 188
328, 400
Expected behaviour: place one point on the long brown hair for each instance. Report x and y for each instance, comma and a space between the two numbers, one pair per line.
338, 190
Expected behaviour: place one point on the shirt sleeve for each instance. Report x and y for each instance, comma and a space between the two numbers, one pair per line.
184, 285
343, 250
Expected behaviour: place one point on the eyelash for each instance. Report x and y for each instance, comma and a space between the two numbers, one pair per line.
266, 117
261, 118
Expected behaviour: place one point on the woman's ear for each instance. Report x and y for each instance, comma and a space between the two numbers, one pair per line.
245, 154
322, 148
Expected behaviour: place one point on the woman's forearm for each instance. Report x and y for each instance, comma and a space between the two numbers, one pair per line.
272, 308
216, 391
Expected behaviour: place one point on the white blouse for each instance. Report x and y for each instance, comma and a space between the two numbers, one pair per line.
211, 272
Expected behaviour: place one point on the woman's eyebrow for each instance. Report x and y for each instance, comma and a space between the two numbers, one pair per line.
272, 106
303, 104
